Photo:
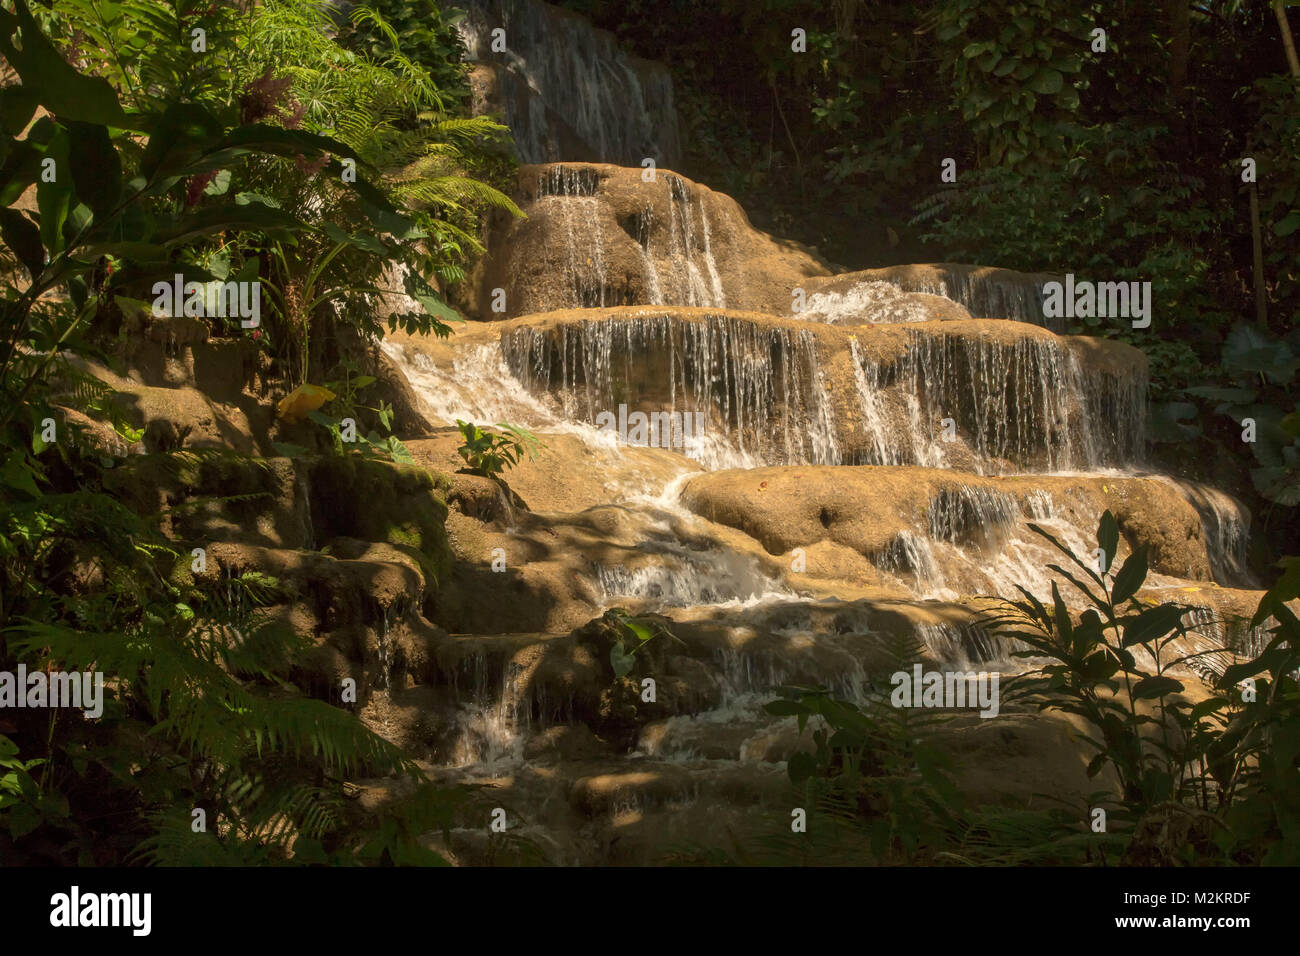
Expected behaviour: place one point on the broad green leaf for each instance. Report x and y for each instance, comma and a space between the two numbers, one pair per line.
56, 85
1047, 82
54, 191
96, 168
1129, 578
21, 235
1150, 687
399, 452
226, 218
220, 184
1108, 537
17, 107
1152, 623
621, 661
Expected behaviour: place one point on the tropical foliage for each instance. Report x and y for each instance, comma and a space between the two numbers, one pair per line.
1187, 773
213, 141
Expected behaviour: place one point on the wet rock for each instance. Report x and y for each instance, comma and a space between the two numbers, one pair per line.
599, 235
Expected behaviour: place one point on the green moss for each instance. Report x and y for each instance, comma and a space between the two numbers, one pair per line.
181, 576
402, 505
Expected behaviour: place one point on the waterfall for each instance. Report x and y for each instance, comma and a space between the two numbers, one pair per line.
1225, 523
689, 580
760, 386
986, 293
1022, 403
911, 553
956, 514
568, 91
694, 278
864, 302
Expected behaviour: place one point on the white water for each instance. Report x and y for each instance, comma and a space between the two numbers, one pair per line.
1022, 407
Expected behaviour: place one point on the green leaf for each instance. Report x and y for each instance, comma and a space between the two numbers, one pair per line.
1108, 538
1152, 623
641, 632
785, 708
1250, 351
56, 85
1286, 588
96, 168
54, 198
21, 235
320, 418
227, 218
420, 291
1129, 578
219, 185
399, 452
1064, 627
22, 819
1160, 686
289, 143
17, 473
19, 171
621, 660
1207, 707
1047, 81
1168, 421
801, 766
17, 107
361, 240
178, 137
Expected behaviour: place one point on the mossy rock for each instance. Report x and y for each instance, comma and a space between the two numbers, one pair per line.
402, 505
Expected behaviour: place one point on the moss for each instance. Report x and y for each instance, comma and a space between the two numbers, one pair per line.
381, 501
181, 575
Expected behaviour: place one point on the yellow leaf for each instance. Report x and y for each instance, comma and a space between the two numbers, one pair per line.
303, 399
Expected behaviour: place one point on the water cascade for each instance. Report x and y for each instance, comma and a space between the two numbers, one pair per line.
1017, 404
567, 90
864, 490
760, 386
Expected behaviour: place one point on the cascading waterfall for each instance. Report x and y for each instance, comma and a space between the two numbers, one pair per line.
684, 579
963, 647
1226, 524
956, 514
569, 91
874, 302
907, 569
986, 293
690, 252
568, 193
912, 554
644, 230
760, 386
1016, 404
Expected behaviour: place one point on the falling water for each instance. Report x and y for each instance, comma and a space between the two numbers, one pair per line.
1026, 402
986, 293
865, 302
761, 386
569, 91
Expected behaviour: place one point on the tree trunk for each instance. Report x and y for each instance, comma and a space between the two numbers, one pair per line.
1287, 41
